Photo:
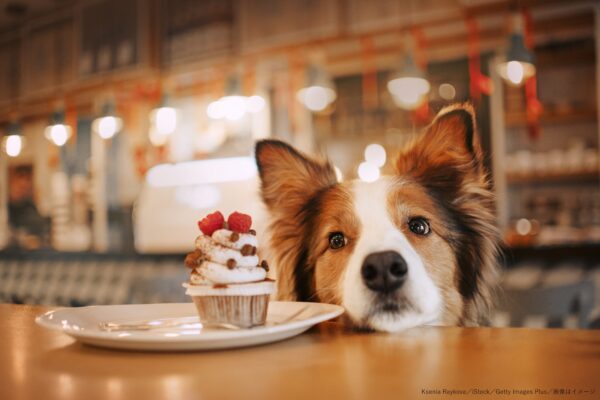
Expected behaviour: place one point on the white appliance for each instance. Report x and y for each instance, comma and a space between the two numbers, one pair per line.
175, 196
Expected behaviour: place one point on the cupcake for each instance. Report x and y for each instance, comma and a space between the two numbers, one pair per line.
228, 282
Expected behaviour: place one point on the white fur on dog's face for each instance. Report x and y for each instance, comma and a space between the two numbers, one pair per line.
450, 269
419, 299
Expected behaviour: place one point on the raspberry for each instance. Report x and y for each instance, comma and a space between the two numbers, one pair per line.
211, 223
239, 222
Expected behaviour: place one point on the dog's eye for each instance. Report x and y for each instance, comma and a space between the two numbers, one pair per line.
419, 226
337, 240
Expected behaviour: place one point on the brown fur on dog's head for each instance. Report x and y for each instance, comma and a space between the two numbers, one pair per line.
291, 188
439, 176
448, 162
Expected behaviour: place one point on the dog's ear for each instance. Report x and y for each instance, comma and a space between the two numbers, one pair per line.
290, 187
288, 178
447, 161
450, 141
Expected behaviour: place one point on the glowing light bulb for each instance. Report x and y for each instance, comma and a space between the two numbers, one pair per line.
13, 145
515, 72
255, 104
58, 134
375, 154
368, 172
316, 98
107, 127
165, 120
235, 107
523, 226
408, 92
447, 91
215, 110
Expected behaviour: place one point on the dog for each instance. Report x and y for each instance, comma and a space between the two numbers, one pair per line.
418, 247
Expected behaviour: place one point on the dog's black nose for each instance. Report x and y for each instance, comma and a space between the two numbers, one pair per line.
384, 271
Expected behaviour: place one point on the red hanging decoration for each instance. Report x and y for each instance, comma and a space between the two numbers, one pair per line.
161, 153
533, 108
419, 50
478, 83
369, 79
147, 91
421, 114
140, 160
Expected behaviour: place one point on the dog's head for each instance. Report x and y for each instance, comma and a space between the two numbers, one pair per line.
413, 248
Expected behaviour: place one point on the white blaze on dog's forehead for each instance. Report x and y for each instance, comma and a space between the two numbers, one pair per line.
378, 230
378, 233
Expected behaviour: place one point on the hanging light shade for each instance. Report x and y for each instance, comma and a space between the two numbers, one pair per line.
13, 142
319, 91
108, 125
163, 122
409, 86
58, 132
519, 64
234, 106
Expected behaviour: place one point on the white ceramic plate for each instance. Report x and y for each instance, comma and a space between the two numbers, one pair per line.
83, 324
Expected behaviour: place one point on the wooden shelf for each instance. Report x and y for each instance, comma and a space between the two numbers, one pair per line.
587, 114
568, 177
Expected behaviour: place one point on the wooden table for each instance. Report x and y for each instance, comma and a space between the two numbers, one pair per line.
327, 362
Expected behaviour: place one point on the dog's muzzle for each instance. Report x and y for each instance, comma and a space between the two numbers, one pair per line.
384, 272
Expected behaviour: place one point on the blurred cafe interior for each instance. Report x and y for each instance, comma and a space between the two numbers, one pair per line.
122, 122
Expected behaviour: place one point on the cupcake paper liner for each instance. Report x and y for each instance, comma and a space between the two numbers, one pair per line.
243, 311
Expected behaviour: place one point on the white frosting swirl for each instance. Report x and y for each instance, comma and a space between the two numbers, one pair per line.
218, 251
211, 273
223, 236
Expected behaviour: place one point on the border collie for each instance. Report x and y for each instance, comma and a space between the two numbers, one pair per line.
417, 247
